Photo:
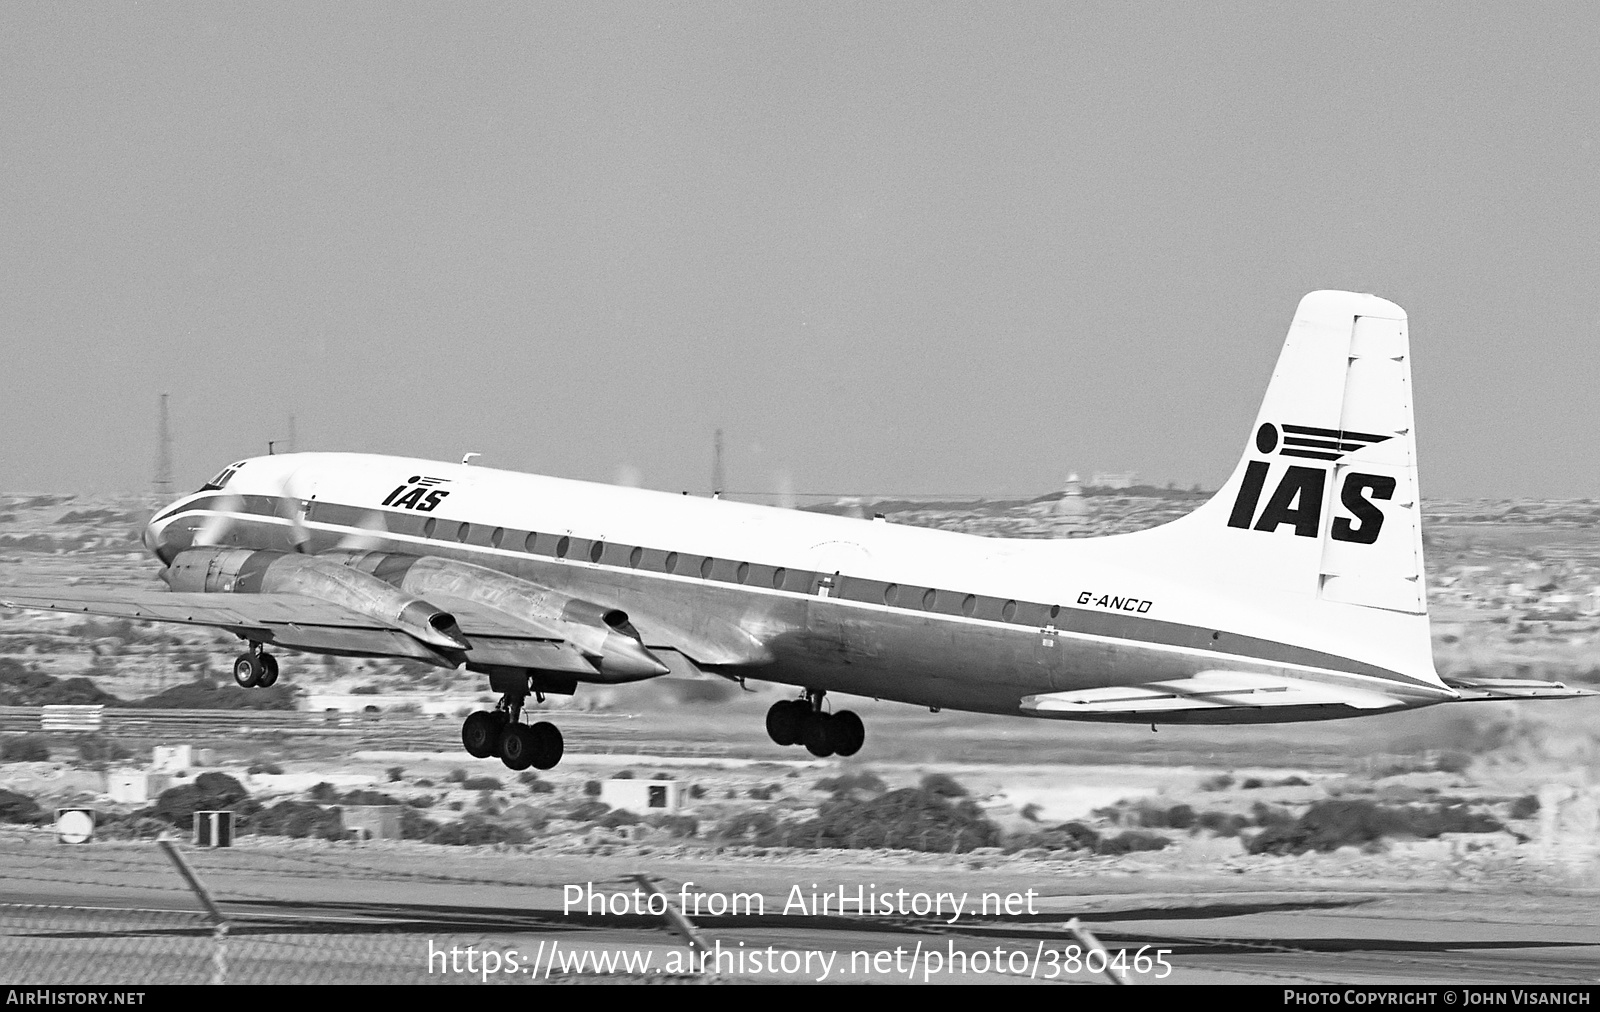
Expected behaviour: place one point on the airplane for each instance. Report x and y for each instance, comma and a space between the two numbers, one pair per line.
1297, 592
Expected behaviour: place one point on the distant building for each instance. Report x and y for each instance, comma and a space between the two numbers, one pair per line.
1106, 479
371, 822
643, 796
1071, 503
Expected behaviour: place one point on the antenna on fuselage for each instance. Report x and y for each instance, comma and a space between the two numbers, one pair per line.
716, 466
466, 459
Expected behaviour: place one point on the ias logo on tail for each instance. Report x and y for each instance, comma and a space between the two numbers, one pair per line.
1297, 499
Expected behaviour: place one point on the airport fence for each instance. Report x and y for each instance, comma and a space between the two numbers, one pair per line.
48, 944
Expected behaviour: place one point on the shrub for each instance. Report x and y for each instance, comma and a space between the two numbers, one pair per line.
299, 819
588, 811
624, 775
16, 807
92, 748
763, 793
848, 782
943, 785
24, 748
481, 784
1222, 823
1329, 825
395, 774
618, 817
591, 788
531, 781
696, 791
271, 769
456, 776
757, 827
1220, 782
680, 826
909, 818
1130, 841
1525, 807
323, 792
365, 690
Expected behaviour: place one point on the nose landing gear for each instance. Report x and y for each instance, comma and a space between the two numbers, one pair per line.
803, 722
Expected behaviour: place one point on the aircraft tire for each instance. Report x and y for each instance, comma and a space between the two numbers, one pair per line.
518, 746
786, 721
269, 671
548, 745
817, 739
480, 734
247, 671
846, 732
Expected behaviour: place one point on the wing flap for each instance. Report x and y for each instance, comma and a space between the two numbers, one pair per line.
1208, 690
1479, 689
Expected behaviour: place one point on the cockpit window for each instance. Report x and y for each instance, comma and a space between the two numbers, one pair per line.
222, 478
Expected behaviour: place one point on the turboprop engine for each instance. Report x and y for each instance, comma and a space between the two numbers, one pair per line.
604, 635
247, 571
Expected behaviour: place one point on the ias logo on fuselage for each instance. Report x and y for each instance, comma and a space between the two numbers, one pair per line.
1297, 499
418, 493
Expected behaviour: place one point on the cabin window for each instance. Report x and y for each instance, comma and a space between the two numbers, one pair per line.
463, 531
928, 597
1008, 611
597, 551
705, 568
498, 536
891, 593
777, 578
1055, 610
743, 572
969, 604
562, 546
428, 528
530, 541
635, 557
671, 565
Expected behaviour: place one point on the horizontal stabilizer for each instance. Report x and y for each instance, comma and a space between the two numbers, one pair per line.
1479, 689
1208, 690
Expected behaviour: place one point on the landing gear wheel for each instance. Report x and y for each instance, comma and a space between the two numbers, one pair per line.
247, 671
480, 733
846, 733
269, 671
548, 745
518, 746
786, 721
502, 720
816, 735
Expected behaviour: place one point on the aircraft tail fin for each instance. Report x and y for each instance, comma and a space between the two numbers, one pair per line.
1321, 516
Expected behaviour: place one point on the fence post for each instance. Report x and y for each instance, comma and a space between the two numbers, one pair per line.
219, 923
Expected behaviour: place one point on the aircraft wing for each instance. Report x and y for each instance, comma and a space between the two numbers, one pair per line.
1479, 689
296, 621
1207, 691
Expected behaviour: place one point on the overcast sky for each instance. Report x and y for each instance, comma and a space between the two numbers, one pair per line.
935, 248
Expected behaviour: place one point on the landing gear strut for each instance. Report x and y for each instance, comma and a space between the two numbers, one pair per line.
500, 732
803, 722
255, 668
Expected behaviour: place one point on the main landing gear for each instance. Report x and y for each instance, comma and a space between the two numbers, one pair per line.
255, 668
803, 722
500, 732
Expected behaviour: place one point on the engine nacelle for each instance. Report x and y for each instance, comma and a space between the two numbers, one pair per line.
246, 571
603, 635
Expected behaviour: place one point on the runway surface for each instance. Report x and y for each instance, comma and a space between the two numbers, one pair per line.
327, 913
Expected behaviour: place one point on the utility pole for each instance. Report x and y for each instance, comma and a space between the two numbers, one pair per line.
162, 483
716, 467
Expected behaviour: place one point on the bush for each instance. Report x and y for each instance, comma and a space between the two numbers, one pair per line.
680, 826
591, 788
910, 818
16, 807
1329, 825
1222, 823
210, 792
1131, 841
763, 793
1067, 836
93, 748
757, 827
943, 785
24, 748
271, 769
1220, 782
299, 819
323, 792
481, 784
847, 783
588, 811
618, 817
456, 776
531, 781
365, 690
1525, 807
395, 774
220, 788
